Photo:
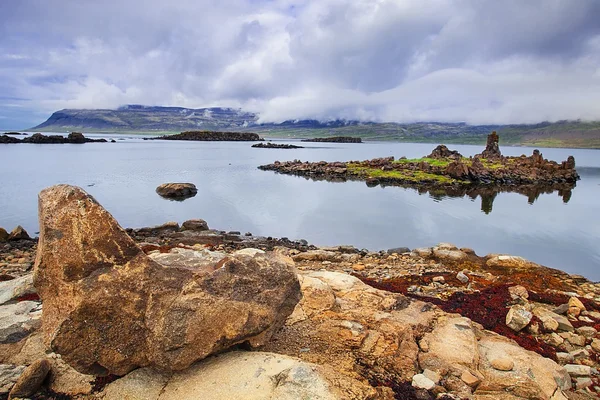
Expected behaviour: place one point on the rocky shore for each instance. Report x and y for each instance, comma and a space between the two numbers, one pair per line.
93, 311
335, 139
213, 136
38, 138
443, 168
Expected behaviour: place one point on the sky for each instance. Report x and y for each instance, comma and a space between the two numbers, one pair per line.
473, 61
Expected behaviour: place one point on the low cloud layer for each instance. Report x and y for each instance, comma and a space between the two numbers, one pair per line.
478, 61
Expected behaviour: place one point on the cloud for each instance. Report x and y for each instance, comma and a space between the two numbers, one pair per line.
478, 61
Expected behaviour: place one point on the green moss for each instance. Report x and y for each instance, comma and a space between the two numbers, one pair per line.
401, 175
431, 161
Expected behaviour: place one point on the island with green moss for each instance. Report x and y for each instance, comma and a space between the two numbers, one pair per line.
441, 168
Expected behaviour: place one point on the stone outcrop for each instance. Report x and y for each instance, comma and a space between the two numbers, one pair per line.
109, 308
19, 233
177, 190
194, 225
492, 149
276, 146
5, 139
74, 138
213, 136
3, 235
442, 151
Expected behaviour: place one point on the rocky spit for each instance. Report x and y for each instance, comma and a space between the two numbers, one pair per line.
335, 139
270, 145
92, 311
443, 168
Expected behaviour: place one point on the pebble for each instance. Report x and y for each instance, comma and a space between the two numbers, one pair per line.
502, 364
420, 381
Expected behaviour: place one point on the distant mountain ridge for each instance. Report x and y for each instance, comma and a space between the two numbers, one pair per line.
156, 119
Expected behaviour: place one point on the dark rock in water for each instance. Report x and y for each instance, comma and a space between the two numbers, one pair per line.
109, 308
114, 141
442, 151
492, 148
3, 235
194, 225
569, 164
167, 227
335, 139
19, 233
213, 136
14, 133
31, 379
177, 190
74, 137
276, 146
4, 139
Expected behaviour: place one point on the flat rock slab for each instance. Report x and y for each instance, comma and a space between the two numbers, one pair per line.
109, 308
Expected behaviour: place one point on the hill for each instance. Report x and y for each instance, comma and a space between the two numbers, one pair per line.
147, 119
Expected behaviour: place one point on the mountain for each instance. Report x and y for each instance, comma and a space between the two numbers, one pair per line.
149, 119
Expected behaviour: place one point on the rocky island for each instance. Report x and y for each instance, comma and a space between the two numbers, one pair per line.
205, 136
93, 311
270, 145
38, 138
442, 168
335, 139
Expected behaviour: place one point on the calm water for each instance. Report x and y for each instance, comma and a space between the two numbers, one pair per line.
234, 195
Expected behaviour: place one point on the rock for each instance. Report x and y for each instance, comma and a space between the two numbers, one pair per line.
518, 292
423, 252
31, 379
564, 358
432, 375
10, 290
544, 315
550, 324
575, 302
596, 345
470, 379
492, 149
18, 320
576, 340
317, 255
167, 227
457, 170
19, 233
574, 312
9, 374
587, 331
518, 317
461, 276
398, 250
177, 190
420, 381
186, 258
3, 235
555, 340
502, 364
241, 375
562, 309
507, 261
194, 225
109, 308
582, 383
64, 379
578, 370
439, 279
441, 151
450, 255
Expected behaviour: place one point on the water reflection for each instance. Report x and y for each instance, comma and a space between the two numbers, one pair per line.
487, 193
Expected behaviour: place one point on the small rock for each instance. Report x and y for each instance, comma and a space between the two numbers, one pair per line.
439, 279
434, 376
587, 331
518, 317
358, 267
562, 309
31, 379
596, 345
582, 383
10, 290
470, 379
19, 233
450, 255
576, 340
461, 276
555, 340
194, 225
518, 292
578, 370
575, 302
398, 250
502, 364
580, 353
564, 358
177, 190
420, 381
550, 324
574, 311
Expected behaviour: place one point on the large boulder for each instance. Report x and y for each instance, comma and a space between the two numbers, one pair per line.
109, 308
177, 190
19, 233
3, 235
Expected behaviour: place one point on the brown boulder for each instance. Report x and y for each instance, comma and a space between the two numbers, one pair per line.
194, 225
443, 152
492, 148
109, 308
457, 170
177, 190
19, 233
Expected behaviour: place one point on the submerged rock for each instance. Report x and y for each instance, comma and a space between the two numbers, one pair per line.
109, 308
